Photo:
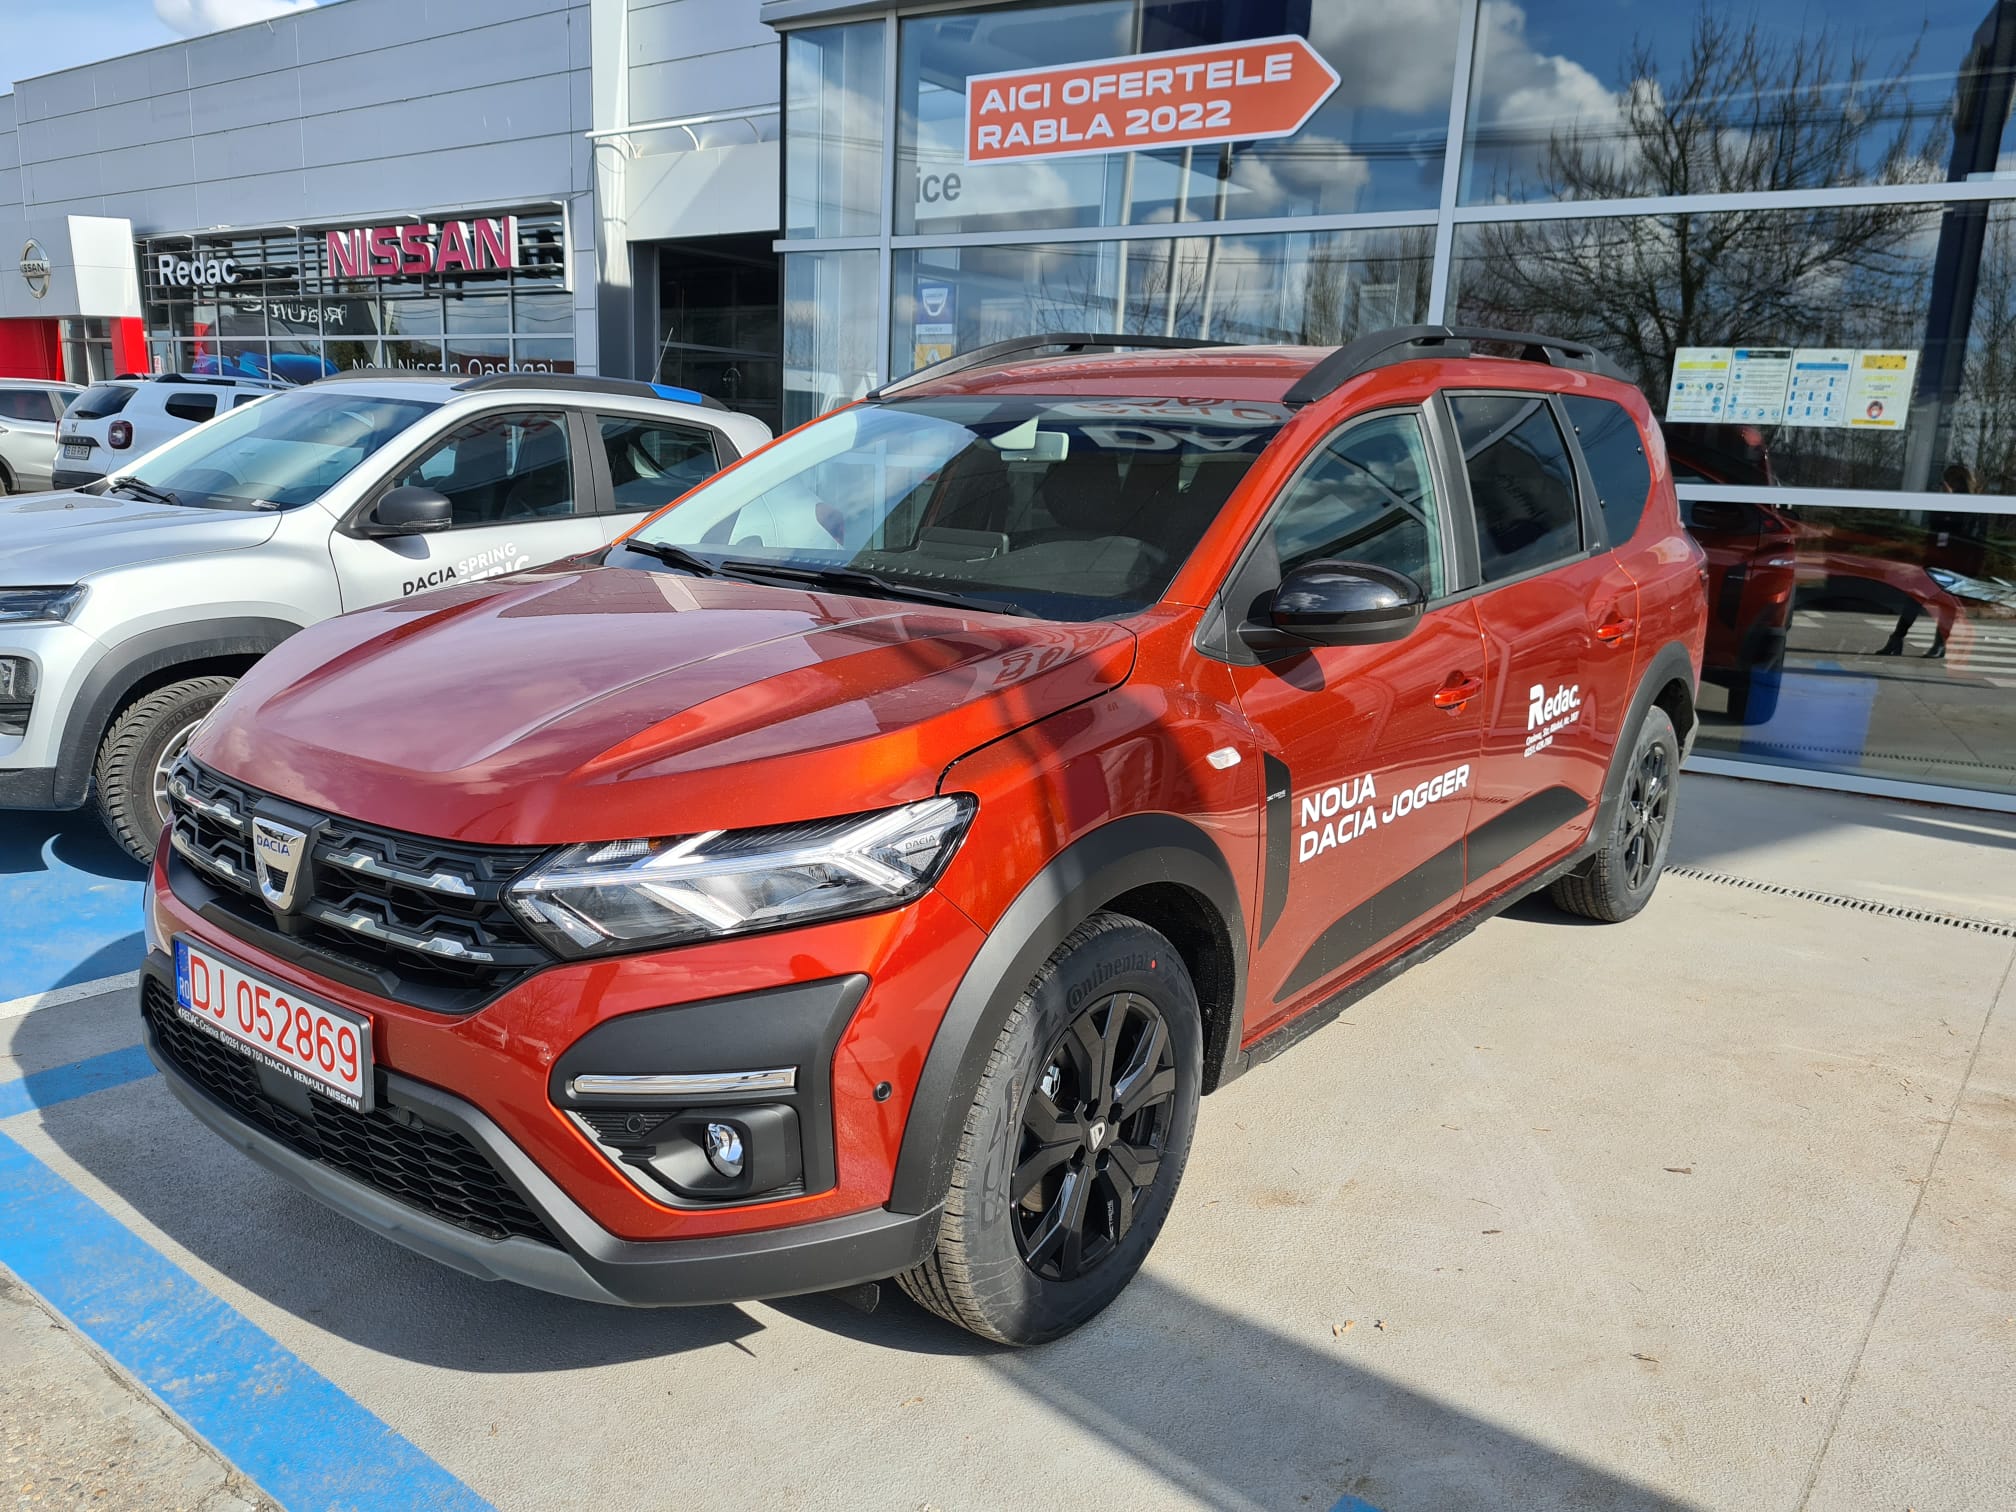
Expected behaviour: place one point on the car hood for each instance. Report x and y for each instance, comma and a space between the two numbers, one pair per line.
605, 703
51, 539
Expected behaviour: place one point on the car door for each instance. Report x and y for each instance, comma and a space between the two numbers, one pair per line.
1368, 752
1558, 612
28, 436
518, 497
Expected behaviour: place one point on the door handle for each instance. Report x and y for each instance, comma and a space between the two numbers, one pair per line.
1457, 692
1615, 632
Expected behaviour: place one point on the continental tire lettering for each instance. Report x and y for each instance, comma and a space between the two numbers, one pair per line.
1105, 972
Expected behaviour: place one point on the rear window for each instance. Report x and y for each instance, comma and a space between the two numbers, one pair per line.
101, 400
1616, 456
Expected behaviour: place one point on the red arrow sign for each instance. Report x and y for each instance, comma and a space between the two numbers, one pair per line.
1233, 92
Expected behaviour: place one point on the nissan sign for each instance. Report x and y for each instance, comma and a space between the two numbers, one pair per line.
172, 272
35, 269
482, 244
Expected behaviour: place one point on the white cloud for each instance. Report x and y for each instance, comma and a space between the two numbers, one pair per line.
193, 17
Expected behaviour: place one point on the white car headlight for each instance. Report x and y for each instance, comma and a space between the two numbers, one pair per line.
618, 895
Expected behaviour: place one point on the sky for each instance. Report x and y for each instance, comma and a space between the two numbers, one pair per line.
42, 36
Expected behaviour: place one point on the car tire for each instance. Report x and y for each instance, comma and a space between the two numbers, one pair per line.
1616, 882
1112, 1017
134, 758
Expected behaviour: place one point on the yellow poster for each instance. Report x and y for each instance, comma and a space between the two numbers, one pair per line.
1879, 389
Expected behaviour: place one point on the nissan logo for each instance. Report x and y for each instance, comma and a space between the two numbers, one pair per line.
35, 268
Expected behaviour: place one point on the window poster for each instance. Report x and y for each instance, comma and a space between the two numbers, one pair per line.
1879, 392
1700, 389
937, 324
1817, 393
1758, 378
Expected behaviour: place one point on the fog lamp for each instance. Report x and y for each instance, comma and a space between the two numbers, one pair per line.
724, 1149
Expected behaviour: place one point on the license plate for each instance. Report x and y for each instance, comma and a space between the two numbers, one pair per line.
319, 1046
76, 451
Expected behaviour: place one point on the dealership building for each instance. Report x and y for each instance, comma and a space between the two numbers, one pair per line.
1795, 228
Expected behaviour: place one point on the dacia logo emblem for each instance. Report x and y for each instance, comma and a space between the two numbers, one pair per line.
278, 851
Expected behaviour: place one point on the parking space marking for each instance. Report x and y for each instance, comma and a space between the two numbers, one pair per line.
56, 997
1349, 1503
297, 1435
69, 904
99, 1073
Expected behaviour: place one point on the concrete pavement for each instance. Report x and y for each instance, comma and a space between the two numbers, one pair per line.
1714, 1208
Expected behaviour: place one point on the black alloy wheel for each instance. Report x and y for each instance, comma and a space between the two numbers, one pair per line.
1093, 1133
1635, 835
1072, 1149
1648, 814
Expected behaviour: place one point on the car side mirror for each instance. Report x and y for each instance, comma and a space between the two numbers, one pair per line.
1337, 604
410, 511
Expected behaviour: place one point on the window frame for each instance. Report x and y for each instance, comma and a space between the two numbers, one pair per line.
604, 482
356, 523
1588, 513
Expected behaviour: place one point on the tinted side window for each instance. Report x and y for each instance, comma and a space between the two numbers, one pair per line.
500, 469
1367, 497
1615, 453
23, 404
652, 462
1521, 482
191, 406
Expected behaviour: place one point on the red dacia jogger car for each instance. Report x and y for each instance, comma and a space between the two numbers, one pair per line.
864, 868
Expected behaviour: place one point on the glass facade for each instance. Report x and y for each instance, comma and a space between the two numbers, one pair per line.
1795, 230
281, 314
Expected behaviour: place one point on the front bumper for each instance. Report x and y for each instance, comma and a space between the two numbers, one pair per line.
585, 1261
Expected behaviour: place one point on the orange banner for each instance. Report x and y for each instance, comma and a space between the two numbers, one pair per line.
1233, 92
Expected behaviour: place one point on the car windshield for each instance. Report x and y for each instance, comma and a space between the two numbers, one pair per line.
282, 452
1068, 508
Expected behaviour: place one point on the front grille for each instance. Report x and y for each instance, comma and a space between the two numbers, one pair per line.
433, 1169
417, 920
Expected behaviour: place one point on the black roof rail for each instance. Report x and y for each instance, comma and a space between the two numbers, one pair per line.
1022, 346
580, 383
210, 380
1405, 343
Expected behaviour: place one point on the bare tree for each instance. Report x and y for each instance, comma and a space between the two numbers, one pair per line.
1741, 112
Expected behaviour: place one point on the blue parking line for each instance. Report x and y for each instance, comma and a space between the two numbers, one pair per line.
1350, 1503
290, 1429
43, 1089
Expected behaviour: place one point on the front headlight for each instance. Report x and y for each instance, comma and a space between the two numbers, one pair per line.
639, 894
22, 604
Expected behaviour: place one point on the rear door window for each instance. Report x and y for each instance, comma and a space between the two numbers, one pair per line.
653, 462
1522, 482
24, 404
1615, 453
197, 407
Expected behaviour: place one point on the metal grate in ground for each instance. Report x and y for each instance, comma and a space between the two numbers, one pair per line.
1858, 905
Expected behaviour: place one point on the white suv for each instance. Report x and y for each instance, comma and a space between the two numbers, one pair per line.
120, 421
128, 608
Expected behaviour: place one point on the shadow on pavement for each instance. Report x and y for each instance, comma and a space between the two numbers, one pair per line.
77, 840
1242, 1415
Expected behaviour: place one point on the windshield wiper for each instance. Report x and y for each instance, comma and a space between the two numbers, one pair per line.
870, 582
146, 492
673, 556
